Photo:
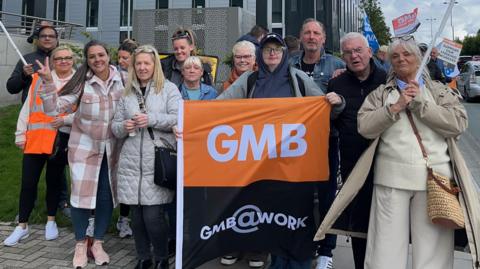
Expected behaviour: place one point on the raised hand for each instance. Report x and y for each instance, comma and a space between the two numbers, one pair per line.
44, 72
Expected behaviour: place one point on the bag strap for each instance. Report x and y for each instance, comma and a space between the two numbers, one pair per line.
141, 105
451, 190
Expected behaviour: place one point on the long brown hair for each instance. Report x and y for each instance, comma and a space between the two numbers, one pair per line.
77, 82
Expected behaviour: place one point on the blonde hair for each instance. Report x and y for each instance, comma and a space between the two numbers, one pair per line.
193, 60
158, 76
60, 48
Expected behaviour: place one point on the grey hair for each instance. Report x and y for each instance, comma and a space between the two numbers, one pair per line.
244, 44
353, 35
193, 60
411, 47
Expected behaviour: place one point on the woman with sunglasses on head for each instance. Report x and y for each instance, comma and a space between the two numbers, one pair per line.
394, 114
183, 43
35, 135
93, 92
148, 108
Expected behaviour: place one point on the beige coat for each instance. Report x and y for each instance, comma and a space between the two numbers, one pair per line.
456, 122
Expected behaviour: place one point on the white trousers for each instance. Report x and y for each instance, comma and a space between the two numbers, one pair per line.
394, 215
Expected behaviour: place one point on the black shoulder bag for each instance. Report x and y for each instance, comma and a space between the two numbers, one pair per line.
165, 165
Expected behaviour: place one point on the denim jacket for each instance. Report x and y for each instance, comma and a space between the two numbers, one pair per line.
207, 92
323, 70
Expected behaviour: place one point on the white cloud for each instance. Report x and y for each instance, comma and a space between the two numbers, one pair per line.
465, 16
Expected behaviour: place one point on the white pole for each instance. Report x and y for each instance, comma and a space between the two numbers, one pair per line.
426, 57
128, 19
13, 44
180, 183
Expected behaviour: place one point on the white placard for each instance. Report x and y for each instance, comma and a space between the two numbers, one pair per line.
449, 51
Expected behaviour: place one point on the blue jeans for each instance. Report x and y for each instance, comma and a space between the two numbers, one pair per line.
326, 195
103, 209
279, 262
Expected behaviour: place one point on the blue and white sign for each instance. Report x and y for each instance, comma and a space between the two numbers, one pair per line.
368, 33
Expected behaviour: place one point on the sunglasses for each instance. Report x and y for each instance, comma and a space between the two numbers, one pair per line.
404, 38
181, 34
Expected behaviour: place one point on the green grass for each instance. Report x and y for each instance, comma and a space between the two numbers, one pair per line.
11, 172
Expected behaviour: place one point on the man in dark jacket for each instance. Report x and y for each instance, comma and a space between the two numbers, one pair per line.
21, 79
361, 78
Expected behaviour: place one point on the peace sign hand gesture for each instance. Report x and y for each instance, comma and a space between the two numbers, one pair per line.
44, 72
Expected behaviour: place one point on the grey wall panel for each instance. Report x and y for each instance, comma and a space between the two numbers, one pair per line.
144, 4
181, 4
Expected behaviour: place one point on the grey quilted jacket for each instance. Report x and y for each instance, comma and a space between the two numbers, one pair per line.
135, 166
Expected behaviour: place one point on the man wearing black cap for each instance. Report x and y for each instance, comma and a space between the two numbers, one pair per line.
21, 79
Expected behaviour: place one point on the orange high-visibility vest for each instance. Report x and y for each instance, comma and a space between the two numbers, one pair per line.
40, 134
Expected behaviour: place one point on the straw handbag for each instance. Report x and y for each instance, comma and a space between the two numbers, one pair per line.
442, 202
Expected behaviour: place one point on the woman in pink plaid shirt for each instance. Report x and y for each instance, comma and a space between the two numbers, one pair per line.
93, 92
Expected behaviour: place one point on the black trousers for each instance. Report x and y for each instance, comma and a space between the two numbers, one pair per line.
150, 228
32, 167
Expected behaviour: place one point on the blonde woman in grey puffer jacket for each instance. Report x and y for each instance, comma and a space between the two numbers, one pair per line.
146, 85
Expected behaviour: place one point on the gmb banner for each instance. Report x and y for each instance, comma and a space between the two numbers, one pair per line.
248, 171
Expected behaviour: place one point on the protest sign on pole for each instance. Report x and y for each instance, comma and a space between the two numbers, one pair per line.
406, 24
449, 51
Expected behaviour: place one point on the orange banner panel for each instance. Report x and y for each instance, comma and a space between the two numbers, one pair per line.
232, 143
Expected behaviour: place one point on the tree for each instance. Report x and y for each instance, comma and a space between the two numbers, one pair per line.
377, 21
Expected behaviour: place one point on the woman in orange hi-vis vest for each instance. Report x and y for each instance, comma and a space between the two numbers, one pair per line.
36, 134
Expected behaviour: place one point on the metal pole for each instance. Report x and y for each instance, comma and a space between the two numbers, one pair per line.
451, 23
439, 31
13, 43
128, 18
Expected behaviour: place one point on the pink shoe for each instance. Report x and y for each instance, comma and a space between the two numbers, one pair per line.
101, 257
80, 259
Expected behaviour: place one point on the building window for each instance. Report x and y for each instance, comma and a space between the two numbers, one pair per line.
92, 13
276, 11
236, 3
198, 3
28, 7
124, 12
59, 10
159, 4
123, 36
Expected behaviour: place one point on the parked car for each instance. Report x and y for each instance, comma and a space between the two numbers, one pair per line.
462, 60
468, 81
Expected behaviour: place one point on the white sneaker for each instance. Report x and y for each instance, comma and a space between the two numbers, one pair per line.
324, 262
254, 263
91, 227
51, 230
228, 260
123, 226
18, 234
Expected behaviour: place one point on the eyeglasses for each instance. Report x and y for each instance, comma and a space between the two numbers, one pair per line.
47, 36
63, 59
348, 53
243, 57
276, 50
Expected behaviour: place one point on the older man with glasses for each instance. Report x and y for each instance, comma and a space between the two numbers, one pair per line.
21, 79
361, 77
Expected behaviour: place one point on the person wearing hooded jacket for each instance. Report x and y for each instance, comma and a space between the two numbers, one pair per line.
277, 79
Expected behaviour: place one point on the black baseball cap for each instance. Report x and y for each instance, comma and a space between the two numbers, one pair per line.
272, 37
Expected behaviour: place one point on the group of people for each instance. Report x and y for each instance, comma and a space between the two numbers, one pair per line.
108, 116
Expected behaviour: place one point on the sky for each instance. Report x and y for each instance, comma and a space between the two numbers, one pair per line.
466, 19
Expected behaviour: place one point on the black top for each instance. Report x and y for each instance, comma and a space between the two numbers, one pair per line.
172, 73
143, 89
18, 82
354, 91
308, 68
352, 144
